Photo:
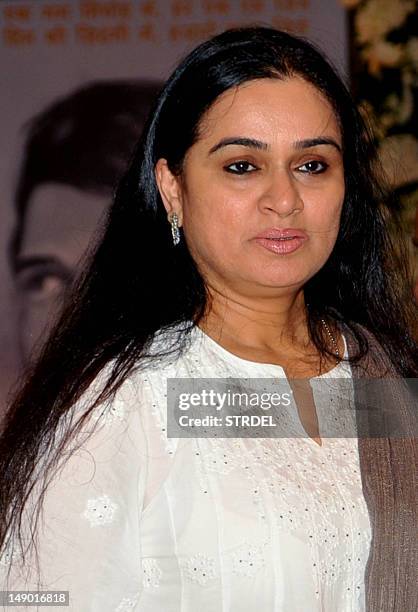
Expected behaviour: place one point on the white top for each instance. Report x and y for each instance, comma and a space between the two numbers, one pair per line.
141, 522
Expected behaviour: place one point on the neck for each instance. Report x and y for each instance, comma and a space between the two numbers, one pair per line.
258, 323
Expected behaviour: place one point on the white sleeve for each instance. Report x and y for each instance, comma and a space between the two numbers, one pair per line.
89, 531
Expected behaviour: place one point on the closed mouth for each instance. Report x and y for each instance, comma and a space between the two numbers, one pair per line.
284, 238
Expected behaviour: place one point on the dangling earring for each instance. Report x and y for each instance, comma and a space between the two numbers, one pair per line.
174, 220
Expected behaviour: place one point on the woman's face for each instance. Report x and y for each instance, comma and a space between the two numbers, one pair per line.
262, 189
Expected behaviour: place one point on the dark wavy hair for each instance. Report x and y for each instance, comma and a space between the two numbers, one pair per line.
137, 282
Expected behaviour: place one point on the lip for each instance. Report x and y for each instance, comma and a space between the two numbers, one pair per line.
281, 241
275, 233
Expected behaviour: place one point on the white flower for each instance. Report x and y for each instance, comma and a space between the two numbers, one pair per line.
127, 604
247, 560
199, 568
399, 156
9, 555
378, 17
382, 54
151, 572
100, 511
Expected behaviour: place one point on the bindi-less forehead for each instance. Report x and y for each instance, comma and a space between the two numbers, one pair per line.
269, 111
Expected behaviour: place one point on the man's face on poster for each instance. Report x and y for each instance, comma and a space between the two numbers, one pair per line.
76, 151
57, 228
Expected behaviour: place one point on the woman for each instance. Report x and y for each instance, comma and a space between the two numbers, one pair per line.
247, 240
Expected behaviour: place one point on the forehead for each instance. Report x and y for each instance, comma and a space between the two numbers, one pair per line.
60, 219
289, 106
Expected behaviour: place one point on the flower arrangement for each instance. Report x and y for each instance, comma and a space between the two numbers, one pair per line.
385, 85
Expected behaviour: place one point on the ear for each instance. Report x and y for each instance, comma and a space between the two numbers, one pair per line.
170, 190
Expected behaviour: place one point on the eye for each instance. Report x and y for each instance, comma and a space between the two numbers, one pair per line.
240, 167
313, 167
41, 285
39, 282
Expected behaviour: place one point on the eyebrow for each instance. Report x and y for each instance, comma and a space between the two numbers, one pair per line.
243, 142
22, 262
314, 142
263, 146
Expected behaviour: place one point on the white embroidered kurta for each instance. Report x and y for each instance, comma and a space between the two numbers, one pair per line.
138, 521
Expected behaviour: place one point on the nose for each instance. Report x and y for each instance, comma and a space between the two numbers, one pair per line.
281, 195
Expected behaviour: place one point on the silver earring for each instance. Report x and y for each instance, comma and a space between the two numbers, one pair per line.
174, 220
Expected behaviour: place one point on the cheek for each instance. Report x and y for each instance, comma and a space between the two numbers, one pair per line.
324, 212
323, 223
214, 217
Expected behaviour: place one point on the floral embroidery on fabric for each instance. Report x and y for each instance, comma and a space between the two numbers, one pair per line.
151, 573
284, 491
9, 555
127, 604
111, 411
198, 568
160, 416
100, 511
219, 457
247, 560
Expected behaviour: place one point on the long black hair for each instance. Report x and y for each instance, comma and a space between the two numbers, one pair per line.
137, 282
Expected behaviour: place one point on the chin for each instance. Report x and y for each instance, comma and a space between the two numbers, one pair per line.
293, 283
283, 279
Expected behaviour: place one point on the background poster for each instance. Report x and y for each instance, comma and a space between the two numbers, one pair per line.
77, 77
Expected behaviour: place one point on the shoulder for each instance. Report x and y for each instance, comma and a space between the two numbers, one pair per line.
137, 407
161, 357
366, 353
99, 424
388, 406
